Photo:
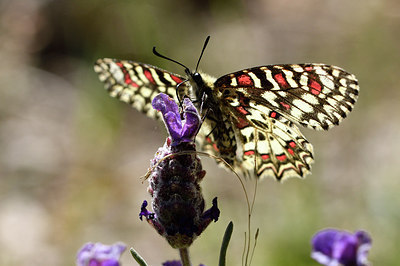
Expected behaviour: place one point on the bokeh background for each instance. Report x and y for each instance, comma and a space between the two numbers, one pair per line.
71, 157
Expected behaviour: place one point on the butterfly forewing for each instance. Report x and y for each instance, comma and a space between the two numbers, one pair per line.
314, 95
137, 84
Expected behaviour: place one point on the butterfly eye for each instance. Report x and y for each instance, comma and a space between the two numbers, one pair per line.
197, 77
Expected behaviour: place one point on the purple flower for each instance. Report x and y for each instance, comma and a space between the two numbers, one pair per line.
333, 247
97, 254
175, 176
175, 263
144, 212
172, 263
179, 130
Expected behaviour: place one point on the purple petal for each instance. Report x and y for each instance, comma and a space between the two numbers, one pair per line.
170, 111
100, 255
180, 131
165, 104
174, 126
364, 245
192, 120
172, 263
323, 242
212, 213
175, 263
332, 247
345, 249
144, 212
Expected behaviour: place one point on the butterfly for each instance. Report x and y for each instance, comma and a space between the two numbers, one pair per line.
251, 115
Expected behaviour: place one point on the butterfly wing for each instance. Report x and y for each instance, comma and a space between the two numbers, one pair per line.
317, 96
218, 138
137, 84
263, 102
251, 128
258, 142
270, 144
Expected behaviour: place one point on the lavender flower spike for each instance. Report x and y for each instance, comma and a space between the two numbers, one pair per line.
179, 130
97, 254
332, 247
174, 182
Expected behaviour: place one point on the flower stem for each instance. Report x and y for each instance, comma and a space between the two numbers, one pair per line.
184, 253
138, 258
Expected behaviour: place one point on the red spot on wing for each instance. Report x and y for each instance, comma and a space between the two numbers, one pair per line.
241, 123
127, 77
244, 80
265, 156
273, 114
281, 80
292, 144
212, 144
248, 153
287, 106
290, 151
215, 147
243, 100
129, 81
281, 157
308, 68
176, 79
242, 110
315, 87
149, 76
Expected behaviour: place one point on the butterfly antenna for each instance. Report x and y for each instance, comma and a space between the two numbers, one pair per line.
169, 59
202, 51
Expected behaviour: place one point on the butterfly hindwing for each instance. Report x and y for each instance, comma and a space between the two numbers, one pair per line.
268, 144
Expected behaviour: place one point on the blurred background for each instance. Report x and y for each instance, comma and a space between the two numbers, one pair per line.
71, 157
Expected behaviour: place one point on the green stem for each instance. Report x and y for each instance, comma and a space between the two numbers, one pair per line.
225, 243
138, 258
185, 259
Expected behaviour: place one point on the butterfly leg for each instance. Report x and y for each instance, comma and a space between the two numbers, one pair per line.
180, 101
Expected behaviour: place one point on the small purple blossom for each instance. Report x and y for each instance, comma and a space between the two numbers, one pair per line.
144, 212
175, 263
97, 254
333, 247
180, 130
212, 213
172, 263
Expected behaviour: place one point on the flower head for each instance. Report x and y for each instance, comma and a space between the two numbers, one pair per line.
97, 254
176, 172
333, 247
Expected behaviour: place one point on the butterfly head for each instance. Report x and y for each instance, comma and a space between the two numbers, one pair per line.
194, 76
201, 83
197, 78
